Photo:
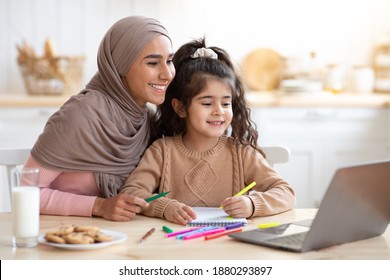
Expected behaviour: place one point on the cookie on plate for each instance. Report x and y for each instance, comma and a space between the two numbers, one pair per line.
54, 238
101, 237
86, 229
78, 238
66, 229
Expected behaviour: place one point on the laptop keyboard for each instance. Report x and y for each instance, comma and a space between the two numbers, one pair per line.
293, 241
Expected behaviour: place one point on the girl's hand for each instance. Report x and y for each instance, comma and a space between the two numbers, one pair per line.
119, 208
179, 213
238, 206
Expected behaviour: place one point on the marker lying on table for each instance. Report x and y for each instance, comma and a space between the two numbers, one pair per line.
235, 225
201, 229
210, 230
149, 199
226, 232
167, 229
181, 232
269, 225
203, 233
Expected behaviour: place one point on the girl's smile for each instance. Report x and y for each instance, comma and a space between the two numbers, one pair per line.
208, 116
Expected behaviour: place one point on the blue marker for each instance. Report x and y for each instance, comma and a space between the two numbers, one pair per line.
180, 236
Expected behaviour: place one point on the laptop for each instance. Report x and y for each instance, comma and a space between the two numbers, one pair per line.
356, 206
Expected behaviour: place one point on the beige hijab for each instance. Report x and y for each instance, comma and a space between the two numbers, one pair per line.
102, 129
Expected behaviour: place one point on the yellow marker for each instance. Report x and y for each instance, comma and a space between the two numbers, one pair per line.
244, 190
269, 225
247, 188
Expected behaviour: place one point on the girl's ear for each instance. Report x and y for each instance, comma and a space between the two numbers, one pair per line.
178, 108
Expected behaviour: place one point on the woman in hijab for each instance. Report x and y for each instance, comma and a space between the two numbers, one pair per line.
90, 146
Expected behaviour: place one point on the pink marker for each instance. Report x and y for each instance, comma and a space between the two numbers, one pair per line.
181, 232
204, 233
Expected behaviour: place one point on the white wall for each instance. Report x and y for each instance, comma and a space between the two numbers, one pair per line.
340, 31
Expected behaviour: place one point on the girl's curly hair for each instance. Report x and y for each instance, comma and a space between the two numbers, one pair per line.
191, 78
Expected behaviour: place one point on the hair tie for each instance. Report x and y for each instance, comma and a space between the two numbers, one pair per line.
204, 52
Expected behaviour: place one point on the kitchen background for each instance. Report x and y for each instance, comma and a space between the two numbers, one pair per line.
343, 32
309, 36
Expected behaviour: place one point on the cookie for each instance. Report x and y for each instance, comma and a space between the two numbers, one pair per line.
91, 233
101, 237
86, 228
78, 238
54, 238
63, 230
52, 232
71, 234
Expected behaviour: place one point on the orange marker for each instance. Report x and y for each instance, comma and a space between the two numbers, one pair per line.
212, 236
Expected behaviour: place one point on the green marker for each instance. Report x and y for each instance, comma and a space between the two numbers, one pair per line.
167, 229
149, 199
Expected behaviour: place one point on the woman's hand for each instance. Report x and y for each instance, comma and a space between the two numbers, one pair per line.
119, 208
179, 213
238, 206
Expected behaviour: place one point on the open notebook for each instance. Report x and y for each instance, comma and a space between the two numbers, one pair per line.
213, 216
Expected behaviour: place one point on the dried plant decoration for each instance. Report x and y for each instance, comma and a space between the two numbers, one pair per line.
49, 74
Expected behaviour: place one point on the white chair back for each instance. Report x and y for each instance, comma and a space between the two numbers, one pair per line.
276, 154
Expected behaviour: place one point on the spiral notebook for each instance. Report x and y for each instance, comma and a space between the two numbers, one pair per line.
213, 216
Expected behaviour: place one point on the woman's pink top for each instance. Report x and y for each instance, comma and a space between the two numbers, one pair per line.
65, 193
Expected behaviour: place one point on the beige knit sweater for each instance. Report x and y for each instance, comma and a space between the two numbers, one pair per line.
206, 178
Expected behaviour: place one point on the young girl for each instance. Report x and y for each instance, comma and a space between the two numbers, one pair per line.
196, 160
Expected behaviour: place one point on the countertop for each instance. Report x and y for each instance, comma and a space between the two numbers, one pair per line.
320, 99
24, 100
256, 99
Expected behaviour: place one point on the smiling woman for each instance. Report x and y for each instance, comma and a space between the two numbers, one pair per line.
89, 147
151, 73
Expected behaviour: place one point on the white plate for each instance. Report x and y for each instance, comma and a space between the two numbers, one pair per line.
117, 237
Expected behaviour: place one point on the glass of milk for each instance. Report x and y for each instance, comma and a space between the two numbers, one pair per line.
25, 206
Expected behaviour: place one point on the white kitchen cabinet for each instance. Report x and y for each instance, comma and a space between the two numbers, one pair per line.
19, 128
322, 139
